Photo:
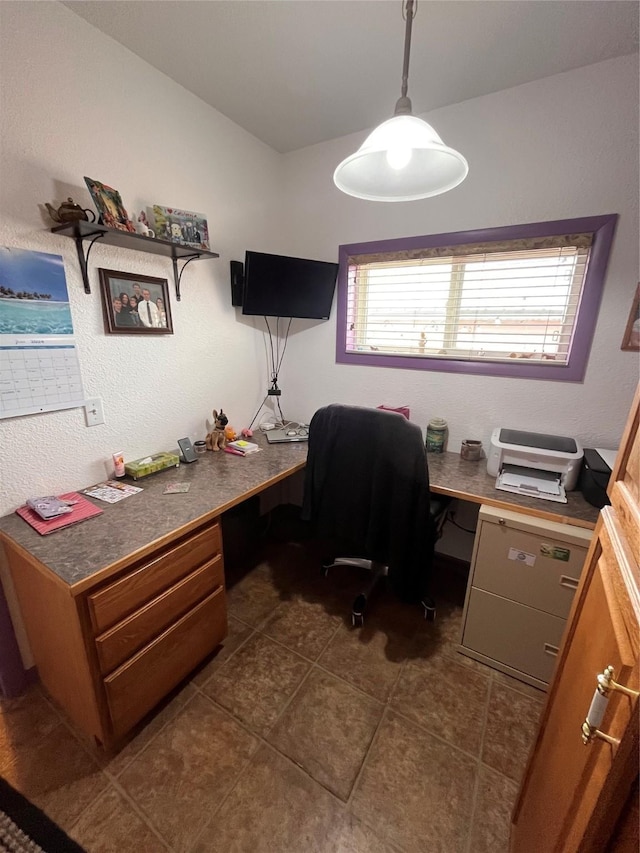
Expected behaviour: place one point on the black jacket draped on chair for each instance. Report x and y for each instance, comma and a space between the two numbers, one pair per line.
367, 491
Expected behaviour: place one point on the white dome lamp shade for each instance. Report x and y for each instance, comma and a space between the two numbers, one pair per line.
403, 159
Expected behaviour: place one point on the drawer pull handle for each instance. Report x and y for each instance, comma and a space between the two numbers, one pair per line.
596, 712
570, 583
551, 650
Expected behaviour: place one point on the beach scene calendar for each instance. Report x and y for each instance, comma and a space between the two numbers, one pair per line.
39, 367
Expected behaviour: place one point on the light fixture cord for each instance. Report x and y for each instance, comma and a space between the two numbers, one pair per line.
409, 15
403, 105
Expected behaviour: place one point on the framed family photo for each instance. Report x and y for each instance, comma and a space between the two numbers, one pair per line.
631, 338
135, 304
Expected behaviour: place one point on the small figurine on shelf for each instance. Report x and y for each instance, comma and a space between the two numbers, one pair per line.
216, 439
142, 226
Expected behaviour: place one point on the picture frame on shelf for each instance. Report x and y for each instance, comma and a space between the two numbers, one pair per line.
179, 226
631, 337
135, 304
109, 205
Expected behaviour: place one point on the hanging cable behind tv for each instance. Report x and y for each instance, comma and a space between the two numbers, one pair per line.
275, 358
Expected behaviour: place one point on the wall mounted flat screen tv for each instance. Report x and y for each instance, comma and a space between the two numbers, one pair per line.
278, 286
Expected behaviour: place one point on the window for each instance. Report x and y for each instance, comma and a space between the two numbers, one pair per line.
518, 301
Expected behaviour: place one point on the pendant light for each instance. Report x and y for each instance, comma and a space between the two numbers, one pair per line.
403, 159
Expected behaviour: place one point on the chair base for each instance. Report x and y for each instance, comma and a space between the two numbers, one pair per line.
378, 571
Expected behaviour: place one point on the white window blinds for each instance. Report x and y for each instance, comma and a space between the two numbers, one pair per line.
480, 302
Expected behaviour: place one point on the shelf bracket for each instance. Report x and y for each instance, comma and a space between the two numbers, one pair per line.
177, 275
83, 257
82, 230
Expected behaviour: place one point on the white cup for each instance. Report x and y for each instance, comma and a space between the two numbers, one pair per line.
144, 230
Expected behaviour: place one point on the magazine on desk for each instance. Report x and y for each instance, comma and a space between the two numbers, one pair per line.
111, 491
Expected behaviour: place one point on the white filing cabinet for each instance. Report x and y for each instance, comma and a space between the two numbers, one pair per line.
524, 572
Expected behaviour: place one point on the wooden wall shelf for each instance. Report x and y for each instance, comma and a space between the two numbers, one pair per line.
92, 231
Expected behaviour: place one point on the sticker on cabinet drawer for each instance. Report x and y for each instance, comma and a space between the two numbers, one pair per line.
555, 553
522, 556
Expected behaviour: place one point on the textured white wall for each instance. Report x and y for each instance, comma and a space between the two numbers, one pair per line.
562, 147
76, 103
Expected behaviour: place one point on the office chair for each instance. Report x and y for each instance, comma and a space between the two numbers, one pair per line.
366, 494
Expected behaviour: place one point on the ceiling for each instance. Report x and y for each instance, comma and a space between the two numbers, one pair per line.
297, 72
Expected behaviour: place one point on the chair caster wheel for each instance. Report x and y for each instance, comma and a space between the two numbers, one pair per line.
357, 620
429, 610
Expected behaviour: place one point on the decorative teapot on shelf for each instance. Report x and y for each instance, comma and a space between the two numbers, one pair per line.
69, 211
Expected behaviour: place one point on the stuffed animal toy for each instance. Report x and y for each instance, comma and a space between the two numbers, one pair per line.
215, 439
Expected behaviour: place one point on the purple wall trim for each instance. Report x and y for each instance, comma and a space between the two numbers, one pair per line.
13, 678
603, 228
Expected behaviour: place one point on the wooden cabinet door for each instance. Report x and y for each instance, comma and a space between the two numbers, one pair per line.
572, 794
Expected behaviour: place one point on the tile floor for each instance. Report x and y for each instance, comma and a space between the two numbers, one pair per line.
299, 735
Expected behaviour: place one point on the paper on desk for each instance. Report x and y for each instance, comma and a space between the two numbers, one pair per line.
533, 482
112, 491
176, 488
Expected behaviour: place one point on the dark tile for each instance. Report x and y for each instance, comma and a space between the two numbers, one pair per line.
276, 808
520, 686
370, 658
415, 791
257, 681
303, 626
24, 720
512, 724
447, 626
188, 769
294, 569
427, 650
238, 633
446, 698
143, 734
442, 639
387, 613
254, 597
492, 816
327, 730
110, 823
57, 774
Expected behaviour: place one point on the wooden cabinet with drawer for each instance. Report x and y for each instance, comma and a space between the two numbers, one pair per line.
524, 573
110, 652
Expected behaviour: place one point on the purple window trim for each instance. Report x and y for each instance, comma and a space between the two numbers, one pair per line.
602, 227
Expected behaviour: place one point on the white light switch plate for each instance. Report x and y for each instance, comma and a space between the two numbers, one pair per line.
93, 411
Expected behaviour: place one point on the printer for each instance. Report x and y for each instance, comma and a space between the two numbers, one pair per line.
534, 464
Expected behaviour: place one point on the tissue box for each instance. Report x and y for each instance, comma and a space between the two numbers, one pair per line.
151, 464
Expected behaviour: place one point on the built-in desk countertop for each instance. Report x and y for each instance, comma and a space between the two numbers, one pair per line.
138, 525
451, 475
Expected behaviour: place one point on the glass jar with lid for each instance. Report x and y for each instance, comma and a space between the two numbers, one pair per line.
436, 435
